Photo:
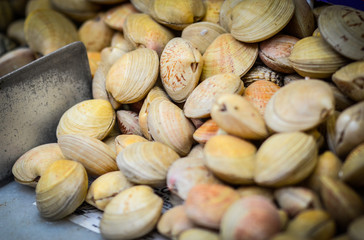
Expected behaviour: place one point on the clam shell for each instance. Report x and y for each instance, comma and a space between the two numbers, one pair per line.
227, 55
212, 10
313, 57
202, 34
201, 100
132, 76
246, 191
300, 105
249, 25
185, 173
142, 31
353, 167
77, 10
37, 4
198, 234
294, 161
33, 163
180, 68
342, 27
226, 13
97, 157
342, 101
259, 93
47, 30
94, 118
94, 59
15, 31
146, 162
196, 151
350, 80
230, 159
128, 122
124, 140
105, 188
131, 214
302, 23
61, 189
167, 124
260, 72
206, 131
15, 59
116, 16
235, 115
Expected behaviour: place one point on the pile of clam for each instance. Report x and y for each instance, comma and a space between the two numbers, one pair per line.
250, 111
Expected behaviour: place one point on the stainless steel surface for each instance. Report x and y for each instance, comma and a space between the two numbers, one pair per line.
34, 97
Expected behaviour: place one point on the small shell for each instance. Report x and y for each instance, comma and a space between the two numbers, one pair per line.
122, 141
353, 167
206, 131
201, 100
37, 4
196, 151
105, 188
146, 162
118, 41
128, 122
79, 10
246, 191
32, 164
15, 31
167, 124
180, 68
226, 13
342, 101
15, 59
94, 59
302, 23
116, 16
300, 105
227, 55
230, 159
249, 25
198, 234
97, 157
94, 118
260, 72
212, 10
202, 34
132, 76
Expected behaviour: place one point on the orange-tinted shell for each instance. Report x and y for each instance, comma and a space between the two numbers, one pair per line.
259, 92
207, 130
94, 59
115, 17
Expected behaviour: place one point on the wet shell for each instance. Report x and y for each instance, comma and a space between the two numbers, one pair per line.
249, 25
350, 80
61, 189
78, 10
298, 155
200, 101
118, 41
132, 76
116, 16
146, 162
180, 68
97, 157
259, 93
230, 159
202, 34
32, 164
226, 13
235, 115
343, 28
300, 105
313, 57
94, 118
275, 51
47, 30
302, 23
167, 124
206, 131
227, 55
142, 31
260, 72
212, 10
185, 173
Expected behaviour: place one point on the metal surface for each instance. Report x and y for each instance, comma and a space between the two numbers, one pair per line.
34, 97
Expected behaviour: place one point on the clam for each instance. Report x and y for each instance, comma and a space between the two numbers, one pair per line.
131, 214
246, 191
206, 131
274, 52
295, 160
128, 122
61, 189
342, 27
180, 68
196, 151
261, 72
146, 162
105, 188
47, 30
302, 23
301, 105
316, 33
94, 59
212, 10
250, 25
237, 116
198, 234
350, 80
227, 55
230, 159
291, 78
342, 101
77, 10
154, 93
97, 157
226, 13
185, 173
37, 4
353, 167
142, 31
95, 34
206, 203
330, 129
167, 124
313, 57
15, 59
94, 118
201, 100
118, 41
116, 16
132, 76
124, 140
32, 164
15, 31
202, 34
348, 129
252, 217
259, 93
